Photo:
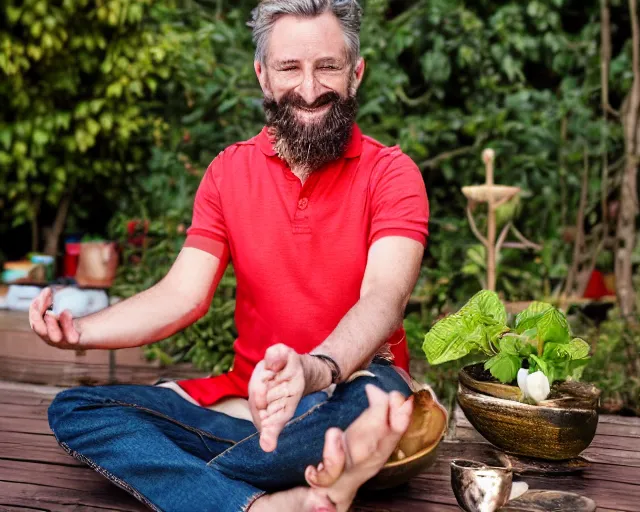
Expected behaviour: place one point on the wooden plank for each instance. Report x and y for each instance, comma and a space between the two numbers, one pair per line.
71, 373
54, 499
30, 426
81, 478
36, 448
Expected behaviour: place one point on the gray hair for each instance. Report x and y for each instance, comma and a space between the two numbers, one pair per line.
267, 13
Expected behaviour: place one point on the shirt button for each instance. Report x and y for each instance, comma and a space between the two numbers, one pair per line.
303, 203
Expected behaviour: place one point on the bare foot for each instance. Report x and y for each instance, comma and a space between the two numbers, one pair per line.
275, 389
349, 459
353, 457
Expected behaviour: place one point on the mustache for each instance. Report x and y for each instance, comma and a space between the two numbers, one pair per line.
293, 99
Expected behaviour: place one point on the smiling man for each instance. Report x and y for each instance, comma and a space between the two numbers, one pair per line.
326, 230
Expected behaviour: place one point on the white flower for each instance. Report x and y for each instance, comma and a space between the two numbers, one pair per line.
535, 385
523, 373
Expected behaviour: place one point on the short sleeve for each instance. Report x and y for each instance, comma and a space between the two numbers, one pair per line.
208, 231
399, 204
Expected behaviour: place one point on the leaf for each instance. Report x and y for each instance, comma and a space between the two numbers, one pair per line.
504, 367
576, 349
537, 363
576, 367
452, 338
553, 327
488, 304
527, 319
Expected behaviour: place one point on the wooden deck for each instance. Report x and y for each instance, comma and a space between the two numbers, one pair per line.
36, 474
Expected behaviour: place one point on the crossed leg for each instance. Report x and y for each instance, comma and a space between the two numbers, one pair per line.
349, 459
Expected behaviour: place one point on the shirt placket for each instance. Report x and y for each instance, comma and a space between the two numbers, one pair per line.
301, 224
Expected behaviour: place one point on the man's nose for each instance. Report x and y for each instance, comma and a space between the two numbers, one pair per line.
310, 89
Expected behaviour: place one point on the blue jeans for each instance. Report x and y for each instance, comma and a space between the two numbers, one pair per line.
178, 457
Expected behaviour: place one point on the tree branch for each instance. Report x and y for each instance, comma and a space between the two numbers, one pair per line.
525, 241
474, 228
503, 235
433, 162
605, 57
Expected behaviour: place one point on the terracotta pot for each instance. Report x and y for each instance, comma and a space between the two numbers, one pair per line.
97, 264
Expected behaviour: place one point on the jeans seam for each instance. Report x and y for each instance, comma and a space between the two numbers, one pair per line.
291, 422
107, 474
173, 420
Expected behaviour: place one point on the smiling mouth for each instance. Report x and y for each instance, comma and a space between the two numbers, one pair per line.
314, 110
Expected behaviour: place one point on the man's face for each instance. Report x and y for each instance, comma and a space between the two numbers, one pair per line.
309, 86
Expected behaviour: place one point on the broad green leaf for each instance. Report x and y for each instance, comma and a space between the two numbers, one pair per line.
510, 345
504, 366
576, 349
576, 367
452, 338
553, 327
489, 304
527, 319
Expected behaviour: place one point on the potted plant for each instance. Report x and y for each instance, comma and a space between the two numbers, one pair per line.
523, 396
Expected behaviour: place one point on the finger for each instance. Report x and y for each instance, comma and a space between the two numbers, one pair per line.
378, 411
276, 406
36, 312
276, 357
68, 329
278, 392
333, 460
279, 417
400, 412
269, 438
53, 328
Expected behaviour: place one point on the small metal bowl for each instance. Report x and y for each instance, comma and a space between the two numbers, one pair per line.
479, 487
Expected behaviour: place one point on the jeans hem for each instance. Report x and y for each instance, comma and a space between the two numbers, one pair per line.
252, 500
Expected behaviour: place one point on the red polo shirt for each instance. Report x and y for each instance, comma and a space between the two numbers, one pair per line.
299, 251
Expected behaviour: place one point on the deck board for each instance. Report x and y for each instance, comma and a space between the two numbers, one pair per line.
36, 474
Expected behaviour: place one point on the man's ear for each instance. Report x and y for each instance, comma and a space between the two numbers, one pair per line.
261, 73
358, 73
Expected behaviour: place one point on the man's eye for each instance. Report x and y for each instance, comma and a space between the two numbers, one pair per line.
328, 67
288, 68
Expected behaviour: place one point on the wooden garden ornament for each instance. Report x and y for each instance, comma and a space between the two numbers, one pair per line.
495, 196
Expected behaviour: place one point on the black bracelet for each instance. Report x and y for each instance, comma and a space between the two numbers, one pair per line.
336, 374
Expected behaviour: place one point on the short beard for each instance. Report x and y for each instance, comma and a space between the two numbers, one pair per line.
309, 146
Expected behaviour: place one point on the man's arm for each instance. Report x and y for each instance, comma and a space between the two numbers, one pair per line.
172, 304
284, 376
392, 270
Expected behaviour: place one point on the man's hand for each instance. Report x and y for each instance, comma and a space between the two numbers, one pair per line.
59, 332
278, 383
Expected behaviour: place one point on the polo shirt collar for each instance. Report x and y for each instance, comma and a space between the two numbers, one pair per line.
354, 147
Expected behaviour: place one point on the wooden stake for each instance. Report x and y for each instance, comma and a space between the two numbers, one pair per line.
488, 156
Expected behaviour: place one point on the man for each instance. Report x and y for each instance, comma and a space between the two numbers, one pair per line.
326, 230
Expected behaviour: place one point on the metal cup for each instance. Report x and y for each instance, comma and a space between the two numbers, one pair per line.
479, 487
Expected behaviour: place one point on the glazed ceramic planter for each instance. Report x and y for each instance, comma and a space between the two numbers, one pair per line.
558, 428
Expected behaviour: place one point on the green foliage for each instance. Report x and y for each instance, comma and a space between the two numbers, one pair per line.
615, 365
75, 80
540, 335
134, 99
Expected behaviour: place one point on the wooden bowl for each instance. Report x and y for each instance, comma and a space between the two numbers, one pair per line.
482, 193
417, 449
555, 430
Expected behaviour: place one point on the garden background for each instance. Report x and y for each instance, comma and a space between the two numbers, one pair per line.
111, 110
